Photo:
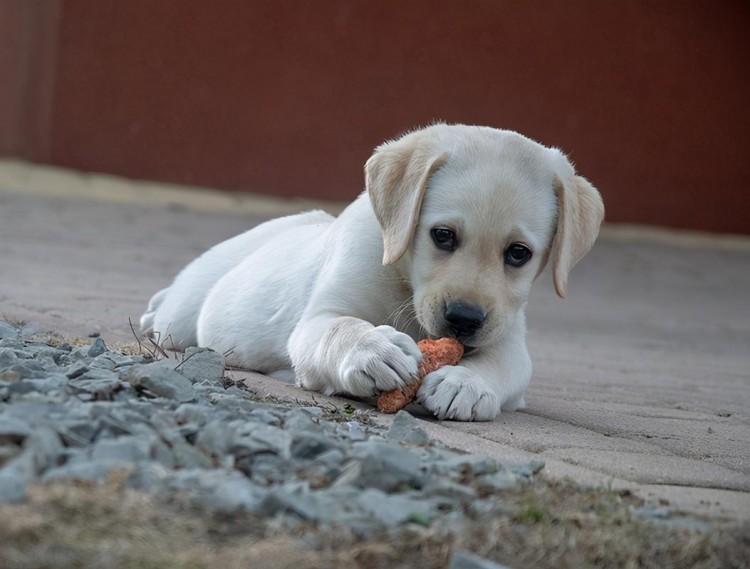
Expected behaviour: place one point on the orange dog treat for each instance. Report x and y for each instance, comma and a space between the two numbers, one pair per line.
435, 354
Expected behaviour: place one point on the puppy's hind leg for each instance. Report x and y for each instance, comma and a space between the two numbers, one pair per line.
147, 320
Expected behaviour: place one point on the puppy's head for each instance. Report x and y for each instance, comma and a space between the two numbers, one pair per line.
472, 214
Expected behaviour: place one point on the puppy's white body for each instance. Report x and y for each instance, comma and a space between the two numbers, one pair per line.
340, 302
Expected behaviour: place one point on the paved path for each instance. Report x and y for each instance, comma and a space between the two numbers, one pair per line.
642, 375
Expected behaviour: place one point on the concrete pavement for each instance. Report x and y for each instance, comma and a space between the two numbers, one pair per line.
642, 375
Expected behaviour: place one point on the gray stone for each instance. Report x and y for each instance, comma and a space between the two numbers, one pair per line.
103, 361
77, 432
13, 430
388, 467
466, 465
496, 482
202, 364
8, 331
307, 445
331, 458
15, 476
255, 438
353, 430
313, 411
216, 437
97, 348
190, 413
299, 420
8, 453
45, 446
526, 470
392, 510
50, 383
48, 363
188, 456
217, 490
7, 357
11, 343
125, 449
100, 384
265, 416
406, 429
148, 477
77, 369
300, 501
162, 381
448, 489
462, 559
79, 353
27, 369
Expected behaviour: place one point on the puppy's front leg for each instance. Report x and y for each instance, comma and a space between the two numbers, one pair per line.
347, 355
485, 382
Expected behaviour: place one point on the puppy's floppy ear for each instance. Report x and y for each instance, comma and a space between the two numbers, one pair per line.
580, 213
396, 176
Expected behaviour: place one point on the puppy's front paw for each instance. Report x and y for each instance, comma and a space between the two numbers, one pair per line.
383, 359
454, 392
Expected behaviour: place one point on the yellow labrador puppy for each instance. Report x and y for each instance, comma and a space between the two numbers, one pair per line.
454, 226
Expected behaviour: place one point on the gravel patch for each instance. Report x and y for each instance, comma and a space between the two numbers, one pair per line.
184, 434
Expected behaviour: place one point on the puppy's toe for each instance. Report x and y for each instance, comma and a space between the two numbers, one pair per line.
455, 393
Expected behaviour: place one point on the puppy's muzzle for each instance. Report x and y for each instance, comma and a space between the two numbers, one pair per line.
463, 320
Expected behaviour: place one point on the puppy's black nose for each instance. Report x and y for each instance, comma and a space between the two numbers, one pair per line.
463, 319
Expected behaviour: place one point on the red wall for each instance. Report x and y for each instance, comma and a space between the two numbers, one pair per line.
290, 97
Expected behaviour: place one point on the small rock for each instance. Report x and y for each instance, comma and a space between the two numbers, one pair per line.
161, 380
28, 369
99, 383
296, 499
447, 489
387, 467
491, 483
217, 490
309, 445
11, 343
190, 413
97, 348
77, 369
255, 438
187, 456
406, 429
13, 430
466, 465
202, 364
46, 447
103, 361
216, 437
14, 476
8, 331
391, 510
7, 357
125, 449
526, 470
354, 431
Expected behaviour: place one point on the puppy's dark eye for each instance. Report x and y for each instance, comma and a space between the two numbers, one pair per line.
517, 255
444, 239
